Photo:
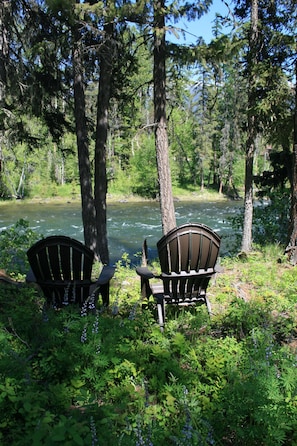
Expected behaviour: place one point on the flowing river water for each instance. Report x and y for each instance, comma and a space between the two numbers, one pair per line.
128, 223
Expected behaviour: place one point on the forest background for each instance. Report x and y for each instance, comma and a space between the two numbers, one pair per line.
78, 76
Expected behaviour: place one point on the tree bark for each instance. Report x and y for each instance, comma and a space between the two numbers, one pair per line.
4, 47
161, 137
291, 249
246, 244
4, 53
104, 92
87, 200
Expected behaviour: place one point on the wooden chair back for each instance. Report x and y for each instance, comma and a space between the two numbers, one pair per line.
62, 267
187, 255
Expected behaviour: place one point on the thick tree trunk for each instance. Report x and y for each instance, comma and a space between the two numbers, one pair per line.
292, 245
246, 244
4, 47
104, 91
161, 137
88, 209
4, 53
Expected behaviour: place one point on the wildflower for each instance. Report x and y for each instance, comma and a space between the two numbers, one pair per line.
84, 311
91, 302
115, 308
66, 295
187, 430
95, 325
73, 292
268, 353
133, 312
146, 394
93, 431
84, 336
209, 439
141, 438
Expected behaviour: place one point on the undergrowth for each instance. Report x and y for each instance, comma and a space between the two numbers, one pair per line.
75, 377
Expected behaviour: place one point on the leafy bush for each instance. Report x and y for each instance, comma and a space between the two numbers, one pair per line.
75, 377
14, 243
143, 168
270, 220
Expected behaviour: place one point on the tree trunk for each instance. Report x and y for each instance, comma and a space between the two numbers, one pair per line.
246, 244
4, 48
4, 53
104, 91
161, 137
292, 245
88, 209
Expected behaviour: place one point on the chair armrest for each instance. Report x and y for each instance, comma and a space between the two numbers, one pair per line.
102, 283
145, 273
106, 274
187, 275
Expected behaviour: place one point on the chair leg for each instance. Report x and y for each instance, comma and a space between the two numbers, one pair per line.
146, 291
161, 313
208, 306
104, 290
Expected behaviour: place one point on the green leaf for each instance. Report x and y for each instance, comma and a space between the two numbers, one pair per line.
77, 383
27, 406
78, 440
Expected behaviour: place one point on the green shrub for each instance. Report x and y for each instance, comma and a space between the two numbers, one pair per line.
75, 377
14, 243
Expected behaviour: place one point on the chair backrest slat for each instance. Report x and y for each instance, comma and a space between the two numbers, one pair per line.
66, 262
184, 252
40, 265
77, 265
54, 262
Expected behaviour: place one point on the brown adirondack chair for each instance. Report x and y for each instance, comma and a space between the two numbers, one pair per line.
188, 255
62, 267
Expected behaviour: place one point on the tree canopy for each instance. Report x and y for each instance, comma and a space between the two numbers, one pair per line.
77, 82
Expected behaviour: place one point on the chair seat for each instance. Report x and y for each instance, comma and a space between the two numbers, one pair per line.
182, 301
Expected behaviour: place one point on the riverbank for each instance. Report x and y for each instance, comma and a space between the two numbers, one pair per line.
180, 196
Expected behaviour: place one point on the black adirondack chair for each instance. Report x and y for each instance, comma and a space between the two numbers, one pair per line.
188, 255
62, 267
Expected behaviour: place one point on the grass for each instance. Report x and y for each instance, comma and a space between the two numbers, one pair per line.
72, 377
71, 192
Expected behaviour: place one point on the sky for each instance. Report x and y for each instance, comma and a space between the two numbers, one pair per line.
201, 27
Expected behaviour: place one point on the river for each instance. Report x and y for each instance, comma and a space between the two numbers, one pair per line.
128, 223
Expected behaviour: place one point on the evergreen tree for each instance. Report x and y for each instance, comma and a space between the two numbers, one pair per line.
160, 120
252, 61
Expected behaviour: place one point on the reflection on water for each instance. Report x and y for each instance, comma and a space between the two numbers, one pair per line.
128, 223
